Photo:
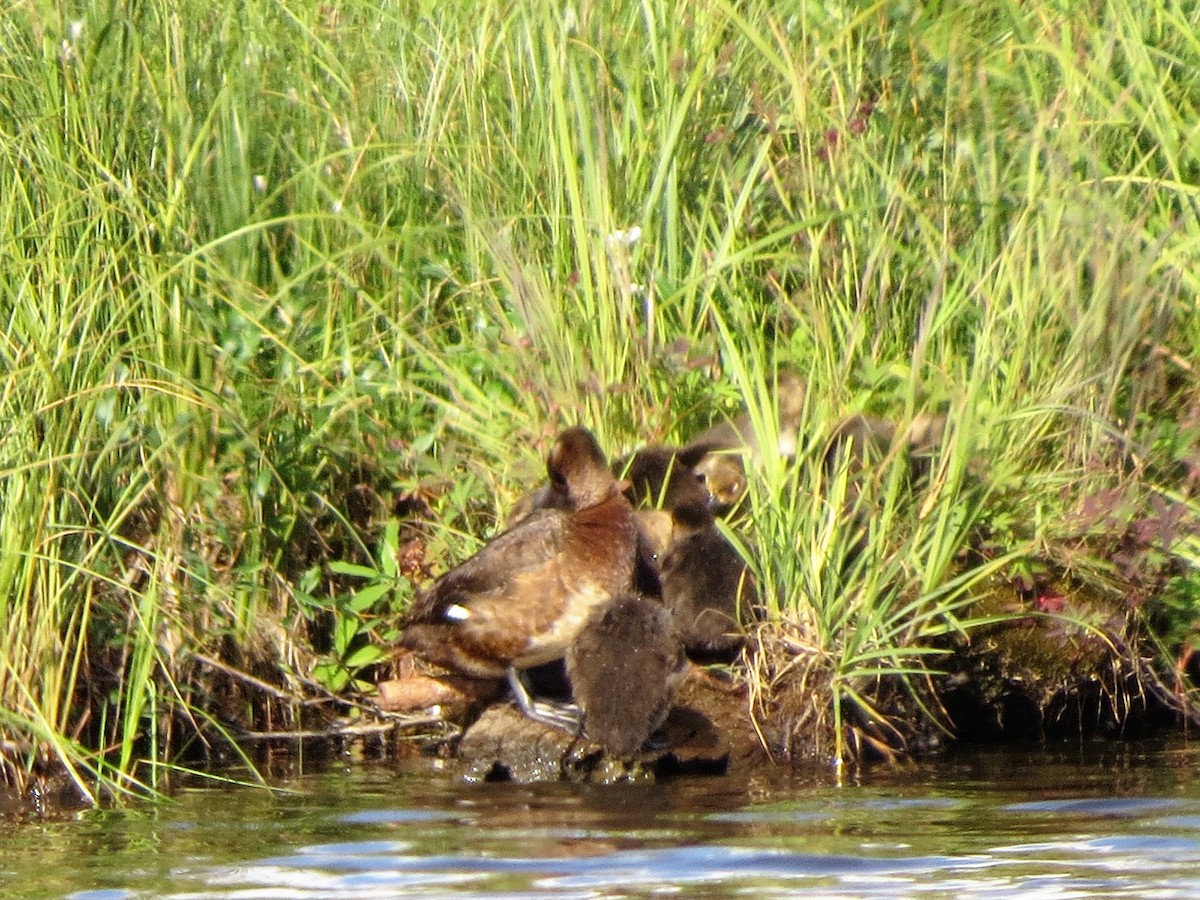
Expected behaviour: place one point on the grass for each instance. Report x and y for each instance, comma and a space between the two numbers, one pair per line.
275, 277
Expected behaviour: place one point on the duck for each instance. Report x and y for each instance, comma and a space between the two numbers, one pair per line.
704, 582
683, 558
723, 450
624, 668
863, 440
523, 598
653, 479
707, 586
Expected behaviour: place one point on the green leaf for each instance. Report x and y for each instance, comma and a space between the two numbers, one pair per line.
364, 656
344, 632
345, 568
368, 597
331, 675
310, 579
388, 549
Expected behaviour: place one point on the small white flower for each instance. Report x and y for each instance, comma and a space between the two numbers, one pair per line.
624, 237
75, 30
260, 183
336, 207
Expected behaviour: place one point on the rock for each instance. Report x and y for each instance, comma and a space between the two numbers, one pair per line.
504, 745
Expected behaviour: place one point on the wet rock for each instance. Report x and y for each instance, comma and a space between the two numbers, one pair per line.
504, 745
712, 724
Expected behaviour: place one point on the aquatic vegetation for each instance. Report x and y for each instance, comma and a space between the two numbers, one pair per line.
284, 286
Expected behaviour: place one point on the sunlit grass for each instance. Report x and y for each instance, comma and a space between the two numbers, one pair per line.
266, 272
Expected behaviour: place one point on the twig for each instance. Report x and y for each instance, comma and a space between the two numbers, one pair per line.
243, 676
338, 730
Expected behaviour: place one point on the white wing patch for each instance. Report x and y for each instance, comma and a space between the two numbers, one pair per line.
457, 613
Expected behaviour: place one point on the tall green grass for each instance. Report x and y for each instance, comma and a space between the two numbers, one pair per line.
270, 272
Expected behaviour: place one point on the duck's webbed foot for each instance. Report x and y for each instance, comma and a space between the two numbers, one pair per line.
566, 716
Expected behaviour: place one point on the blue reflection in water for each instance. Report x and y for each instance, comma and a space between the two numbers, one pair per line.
1071, 866
1048, 831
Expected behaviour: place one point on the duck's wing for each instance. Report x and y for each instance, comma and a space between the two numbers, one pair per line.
523, 552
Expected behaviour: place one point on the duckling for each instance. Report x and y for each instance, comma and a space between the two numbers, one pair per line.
727, 446
656, 527
925, 436
723, 475
705, 582
524, 597
859, 439
868, 439
624, 668
707, 586
663, 477
860, 442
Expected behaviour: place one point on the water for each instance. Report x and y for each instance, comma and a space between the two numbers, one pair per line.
1104, 820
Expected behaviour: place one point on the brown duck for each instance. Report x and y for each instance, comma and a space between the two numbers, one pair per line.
524, 597
705, 583
707, 586
624, 668
682, 556
725, 447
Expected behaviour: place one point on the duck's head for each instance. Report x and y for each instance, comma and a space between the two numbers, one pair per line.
577, 469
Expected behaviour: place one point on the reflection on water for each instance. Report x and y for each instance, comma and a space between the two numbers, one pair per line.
1117, 820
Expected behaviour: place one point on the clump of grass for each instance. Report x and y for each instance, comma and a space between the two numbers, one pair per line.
279, 282
1019, 278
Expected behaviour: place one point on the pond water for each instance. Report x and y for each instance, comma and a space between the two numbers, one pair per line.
1096, 820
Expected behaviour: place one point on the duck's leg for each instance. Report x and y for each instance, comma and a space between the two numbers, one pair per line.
566, 716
